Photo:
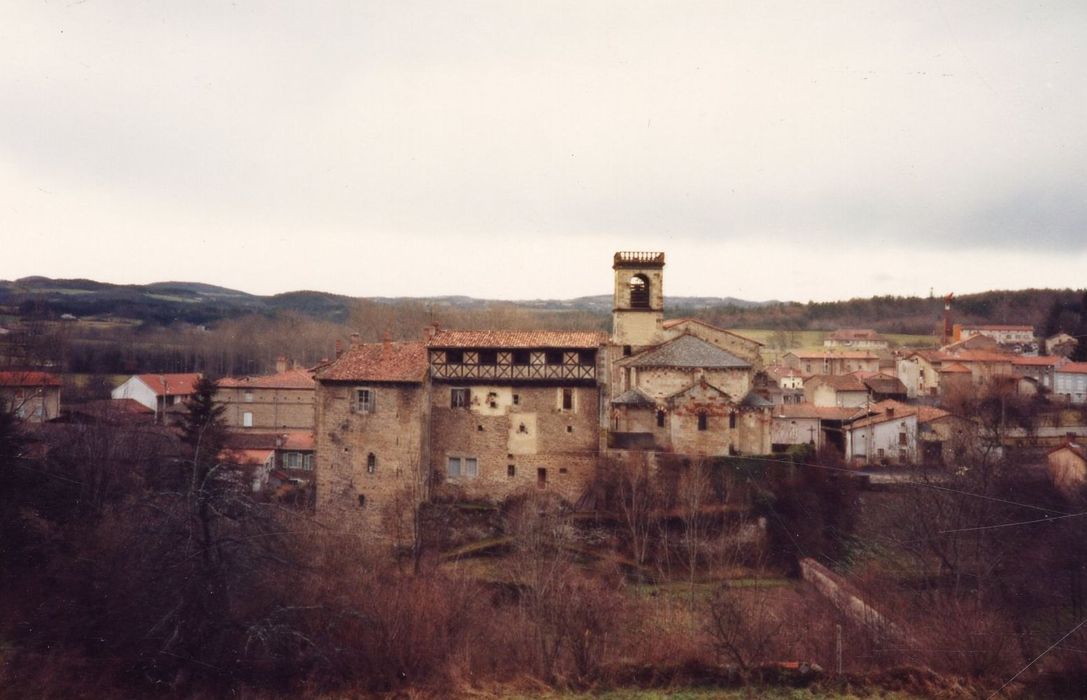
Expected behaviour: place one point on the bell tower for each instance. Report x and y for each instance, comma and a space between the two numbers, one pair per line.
638, 302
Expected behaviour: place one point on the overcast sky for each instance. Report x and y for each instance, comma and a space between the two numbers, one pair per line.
506, 149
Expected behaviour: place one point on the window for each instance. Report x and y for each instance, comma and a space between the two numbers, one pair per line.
364, 400
454, 357
567, 399
639, 292
553, 357
371, 463
362, 500
660, 419
516, 399
511, 470
462, 467
458, 398
902, 438
541, 478
488, 357
294, 460
732, 420
627, 350
586, 357
249, 397
247, 420
703, 421
523, 429
522, 357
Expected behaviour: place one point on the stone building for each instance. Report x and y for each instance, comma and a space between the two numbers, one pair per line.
280, 401
493, 413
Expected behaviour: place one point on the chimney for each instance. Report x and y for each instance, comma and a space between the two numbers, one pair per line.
354, 339
429, 331
281, 364
339, 347
890, 410
386, 344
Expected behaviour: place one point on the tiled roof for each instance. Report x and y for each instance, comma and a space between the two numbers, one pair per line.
122, 406
673, 322
954, 368
378, 362
517, 339
845, 355
885, 384
29, 378
289, 379
299, 440
1074, 368
171, 384
1039, 361
883, 411
839, 382
633, 397
686, 351
1072, 447
246, 457
807, 410
996, 327
977, 356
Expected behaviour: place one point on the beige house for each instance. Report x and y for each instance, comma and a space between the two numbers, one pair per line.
1068, 468
855, 339
32, 396
280, 401
832, 362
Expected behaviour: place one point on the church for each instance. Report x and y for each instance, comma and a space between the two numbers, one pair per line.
492, 413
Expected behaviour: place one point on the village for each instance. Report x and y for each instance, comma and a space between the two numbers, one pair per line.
779, 513
496, 412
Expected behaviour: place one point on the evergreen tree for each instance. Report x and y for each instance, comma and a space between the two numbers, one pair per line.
202, 425
1080, 352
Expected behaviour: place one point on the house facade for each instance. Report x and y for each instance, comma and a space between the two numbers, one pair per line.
158, 391
32, 396
280, 401
855, 339
1070, 382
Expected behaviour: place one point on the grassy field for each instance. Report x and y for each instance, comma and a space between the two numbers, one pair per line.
812, 340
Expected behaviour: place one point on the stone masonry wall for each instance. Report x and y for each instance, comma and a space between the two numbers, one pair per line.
272, 409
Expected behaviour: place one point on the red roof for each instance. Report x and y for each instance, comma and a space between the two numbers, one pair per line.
246, 457
378, 362
889, 409
1040, 361
955, 367
299, 440
1074, 368
29, 379
171, 384
1072, 447
847, 355
517, 339
839, 382
855, 334
289, 379
807, 410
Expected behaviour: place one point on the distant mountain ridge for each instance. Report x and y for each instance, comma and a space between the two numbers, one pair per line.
197, 302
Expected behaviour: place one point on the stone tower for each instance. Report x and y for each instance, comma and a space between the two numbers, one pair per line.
638, 302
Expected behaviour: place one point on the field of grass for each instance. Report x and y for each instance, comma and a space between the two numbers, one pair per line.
812, 340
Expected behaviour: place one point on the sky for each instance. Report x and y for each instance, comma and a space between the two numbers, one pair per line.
773, 150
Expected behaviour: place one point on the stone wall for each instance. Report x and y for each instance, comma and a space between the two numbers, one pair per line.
513, 432
272, 409
352, 494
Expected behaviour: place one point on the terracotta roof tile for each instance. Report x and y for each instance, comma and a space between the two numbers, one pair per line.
175, 384
1040, 361
289, 379
1074, 368
29, 378
846, 355
378, 362
807, 410
517, 339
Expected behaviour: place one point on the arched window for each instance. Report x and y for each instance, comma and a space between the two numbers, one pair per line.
639, 292
371, 463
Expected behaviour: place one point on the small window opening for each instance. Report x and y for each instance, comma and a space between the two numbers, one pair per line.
516, 399
541, 477
511, 470
522, 428
639, 292
586, 357
488, 357
553, 357
627, 350
454, 357
492, 400
479, 428
562, 470
567, 399
371, 463
703, 421
521, 357
362, 500
569, 428
732, 420
458, 398
660, 419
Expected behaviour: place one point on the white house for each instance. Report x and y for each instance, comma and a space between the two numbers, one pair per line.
1070, 382
157, 391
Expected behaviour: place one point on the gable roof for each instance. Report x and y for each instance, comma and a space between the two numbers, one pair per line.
378, 362
825, 355
808, 410
1072, 447
686, 352
517, 339
1074, 368
633, 397
288, 379
171, 384
954, 367
839, 382
889, 409
29, 379
697, 384
673, 322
